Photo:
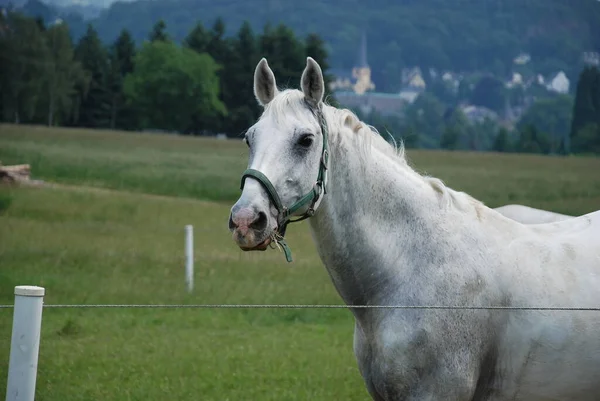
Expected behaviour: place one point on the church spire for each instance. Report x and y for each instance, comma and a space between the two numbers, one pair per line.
361, 72
362, 54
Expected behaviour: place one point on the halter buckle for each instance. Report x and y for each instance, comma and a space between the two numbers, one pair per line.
325, 159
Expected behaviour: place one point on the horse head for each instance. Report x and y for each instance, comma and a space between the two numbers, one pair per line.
286, 176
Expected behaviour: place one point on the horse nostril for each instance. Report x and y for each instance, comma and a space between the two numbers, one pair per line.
232, 225
260, 223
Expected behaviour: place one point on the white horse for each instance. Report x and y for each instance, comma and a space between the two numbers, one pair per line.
530, 215
389, 236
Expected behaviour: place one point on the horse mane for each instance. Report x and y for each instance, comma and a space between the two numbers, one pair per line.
342, 122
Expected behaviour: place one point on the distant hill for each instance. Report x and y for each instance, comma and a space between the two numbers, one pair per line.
457, 35
87, 11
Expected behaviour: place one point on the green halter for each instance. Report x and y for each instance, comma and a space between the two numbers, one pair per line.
311, 198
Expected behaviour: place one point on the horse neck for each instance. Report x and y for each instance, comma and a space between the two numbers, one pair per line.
377, 218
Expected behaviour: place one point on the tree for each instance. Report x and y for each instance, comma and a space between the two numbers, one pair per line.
218, 47
458, 133
489, 92
443, 90
484, 133
23, 60
171, 84
220, 50
502, 141
586, 108
62, 75
425, 117
124, 51
159, 32
450, 138
197, 39
94, 110
588, 139
122, 54
552, 116
532, 141
242, 107
286, 54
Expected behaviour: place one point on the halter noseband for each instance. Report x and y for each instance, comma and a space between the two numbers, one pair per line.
312, 198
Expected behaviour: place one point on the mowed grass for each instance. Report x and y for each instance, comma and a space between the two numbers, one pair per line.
108, 238
95, 247
211, 169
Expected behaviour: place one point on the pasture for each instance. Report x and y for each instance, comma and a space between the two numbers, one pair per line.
112, 231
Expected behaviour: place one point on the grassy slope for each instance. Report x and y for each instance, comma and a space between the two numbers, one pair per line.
101, 246
211, 169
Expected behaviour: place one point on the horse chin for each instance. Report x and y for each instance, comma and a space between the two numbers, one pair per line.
260, 247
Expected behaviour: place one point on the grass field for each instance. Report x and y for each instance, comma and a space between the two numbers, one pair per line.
113, 232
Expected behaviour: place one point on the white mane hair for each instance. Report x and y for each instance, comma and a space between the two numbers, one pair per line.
342, 123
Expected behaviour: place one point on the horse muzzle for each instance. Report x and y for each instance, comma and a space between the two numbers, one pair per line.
249, 228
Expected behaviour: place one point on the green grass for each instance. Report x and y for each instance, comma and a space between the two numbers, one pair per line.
102, 247
150, 163
211, 169
87, 245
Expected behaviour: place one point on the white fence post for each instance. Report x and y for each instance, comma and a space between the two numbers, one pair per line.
25, 343
189, 254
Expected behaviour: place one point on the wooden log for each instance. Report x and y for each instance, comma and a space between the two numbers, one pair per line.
15, 174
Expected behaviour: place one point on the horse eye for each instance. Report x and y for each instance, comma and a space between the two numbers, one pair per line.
246, 141
306, 141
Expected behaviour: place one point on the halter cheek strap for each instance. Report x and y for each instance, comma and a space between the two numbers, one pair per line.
312, 199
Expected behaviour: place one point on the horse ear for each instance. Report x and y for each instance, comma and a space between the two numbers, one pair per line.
313, 85
265, 87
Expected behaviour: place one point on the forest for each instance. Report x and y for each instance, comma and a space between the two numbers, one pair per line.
202, 85
458, 35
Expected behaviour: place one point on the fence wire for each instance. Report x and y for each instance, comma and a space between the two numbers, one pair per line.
300, 306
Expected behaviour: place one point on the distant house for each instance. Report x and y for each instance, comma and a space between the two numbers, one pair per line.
516, 80
343, 80
522, 59
591, 58
413, 78
433, 73
559, 83
540, 79
413, 84
452, 79
409, 95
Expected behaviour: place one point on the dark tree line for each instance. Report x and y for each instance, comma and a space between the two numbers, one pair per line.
203, 86
200, 86
460, 35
